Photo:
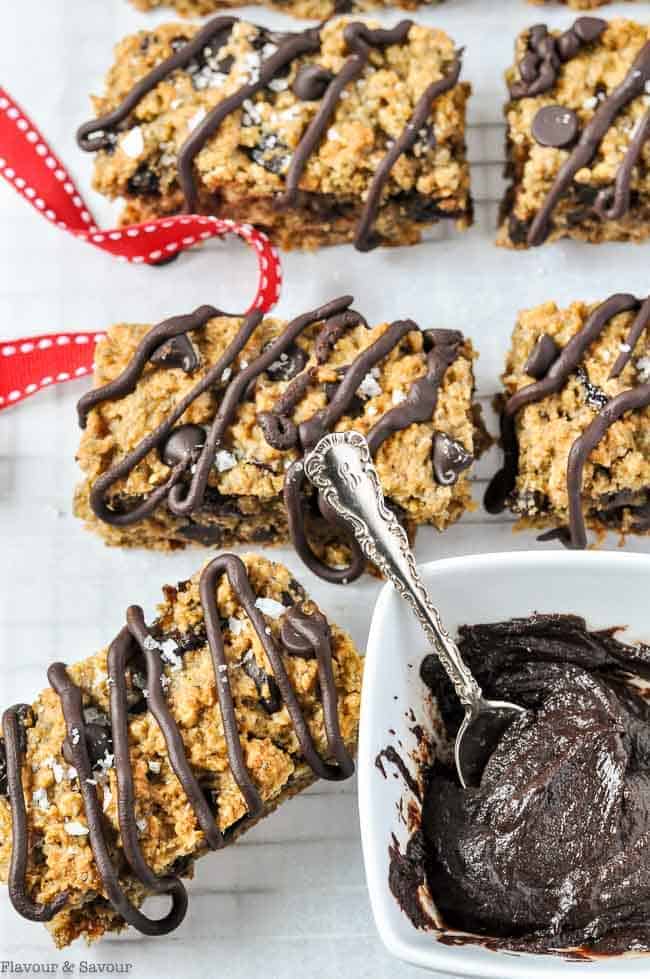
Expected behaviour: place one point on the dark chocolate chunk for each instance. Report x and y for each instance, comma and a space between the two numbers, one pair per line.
183, 443
99, 741
210, 535
179, 351
311, 82
261, 678
288, 364
144, 182
555, 125
589, 29
449, 458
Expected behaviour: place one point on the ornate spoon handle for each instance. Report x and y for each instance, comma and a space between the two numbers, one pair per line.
342, 470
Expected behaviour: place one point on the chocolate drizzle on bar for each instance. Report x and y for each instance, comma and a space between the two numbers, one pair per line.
312, 83
539, 72
305, 634
561, 367
190, 451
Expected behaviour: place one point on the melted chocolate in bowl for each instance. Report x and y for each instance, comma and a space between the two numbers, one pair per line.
552, 852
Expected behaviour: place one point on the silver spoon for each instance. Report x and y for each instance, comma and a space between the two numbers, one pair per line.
341, 468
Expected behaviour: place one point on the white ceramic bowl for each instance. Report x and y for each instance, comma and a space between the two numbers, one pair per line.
606, 588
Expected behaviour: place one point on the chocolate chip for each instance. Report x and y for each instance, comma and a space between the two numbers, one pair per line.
449, 458
184, 443
271, 153
225, 64
546, 50
288, 364
311, 82
207, 534
545, 353
589, 29
568, 45
555, 125
177, 352
529, 66
585, 193
143, 182
536, 35
99, 740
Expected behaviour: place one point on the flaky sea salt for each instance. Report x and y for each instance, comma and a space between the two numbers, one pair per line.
268, 606
74, 828
132, 143
369, 388
643, 367
108, 795
105, 763
196, 119
224, 460
40, 799
398, 396
154, 766
236, 626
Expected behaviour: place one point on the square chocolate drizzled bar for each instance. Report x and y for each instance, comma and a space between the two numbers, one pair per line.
576, 420
315, 9
171, 742
578, 137
196, 428
342, 132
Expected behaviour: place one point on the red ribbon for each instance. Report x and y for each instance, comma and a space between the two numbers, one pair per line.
32, 168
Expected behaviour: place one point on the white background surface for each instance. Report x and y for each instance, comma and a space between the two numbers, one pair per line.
290, 899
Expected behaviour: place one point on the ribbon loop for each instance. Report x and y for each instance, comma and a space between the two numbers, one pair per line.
31, 167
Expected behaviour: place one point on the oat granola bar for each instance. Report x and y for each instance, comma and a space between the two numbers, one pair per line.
575, 4
578, 135
196, 428
316, 9
576, 420
342, 132
171, 742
